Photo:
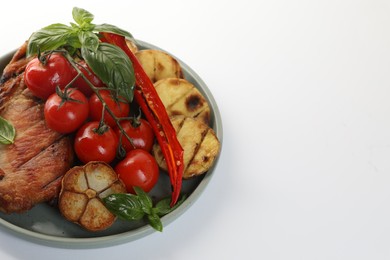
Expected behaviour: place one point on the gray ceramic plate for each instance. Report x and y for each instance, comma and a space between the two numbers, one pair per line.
44, 224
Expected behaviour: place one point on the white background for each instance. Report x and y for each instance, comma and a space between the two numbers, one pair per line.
304, 92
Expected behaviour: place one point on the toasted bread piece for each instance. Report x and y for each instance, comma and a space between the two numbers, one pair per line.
82, 189
201, 146
159, 65
181, 97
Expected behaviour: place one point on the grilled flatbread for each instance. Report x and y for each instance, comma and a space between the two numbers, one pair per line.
180, 97
201, 146
159, 65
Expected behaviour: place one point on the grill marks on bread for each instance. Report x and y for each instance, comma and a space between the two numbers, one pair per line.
159, 65
200, 144
181, 97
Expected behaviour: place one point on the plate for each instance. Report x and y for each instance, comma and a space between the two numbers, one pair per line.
44, 224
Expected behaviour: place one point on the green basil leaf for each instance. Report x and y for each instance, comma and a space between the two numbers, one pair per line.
125, 206
7, 132
49, 38
89, 40
75, 26
163, 207
155, 222
82, 16
144, 199
73, 41
113, 67
112, 29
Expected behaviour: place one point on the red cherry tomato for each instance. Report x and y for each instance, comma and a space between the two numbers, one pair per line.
43, 78
120, 108
95, 144
141, 134
81, 84
138, 168
66, 113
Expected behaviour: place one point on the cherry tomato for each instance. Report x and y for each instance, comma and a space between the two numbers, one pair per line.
66, 112
43, 78
141, 134
81, 84
94, 143
120, 108
138, 168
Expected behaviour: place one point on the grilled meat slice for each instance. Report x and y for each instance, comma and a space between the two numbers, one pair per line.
32, 167
17, 64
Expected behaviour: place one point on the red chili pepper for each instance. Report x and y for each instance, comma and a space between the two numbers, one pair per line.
155, 112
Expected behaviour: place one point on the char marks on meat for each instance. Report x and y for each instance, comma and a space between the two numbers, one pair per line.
32, 167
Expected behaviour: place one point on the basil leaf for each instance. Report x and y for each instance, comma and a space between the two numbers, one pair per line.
145, 200
163, 206
89, 40
73, 42
7, 132
112, 29
125, 206
82, 16
155, 222
113, 67
49, 38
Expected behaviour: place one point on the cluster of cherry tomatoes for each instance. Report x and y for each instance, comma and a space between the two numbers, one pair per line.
73, 107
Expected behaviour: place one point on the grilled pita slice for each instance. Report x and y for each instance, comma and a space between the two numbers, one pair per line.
159, 65
201, 146
181, 97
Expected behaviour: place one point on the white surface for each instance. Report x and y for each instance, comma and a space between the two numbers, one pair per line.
303, 89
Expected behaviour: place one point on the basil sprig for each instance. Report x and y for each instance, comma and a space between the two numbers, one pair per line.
7, 132
107, 61
130, 207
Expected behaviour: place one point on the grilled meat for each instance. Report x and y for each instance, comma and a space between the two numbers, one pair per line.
32, 167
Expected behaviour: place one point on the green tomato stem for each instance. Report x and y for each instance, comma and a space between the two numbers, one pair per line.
96, 91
